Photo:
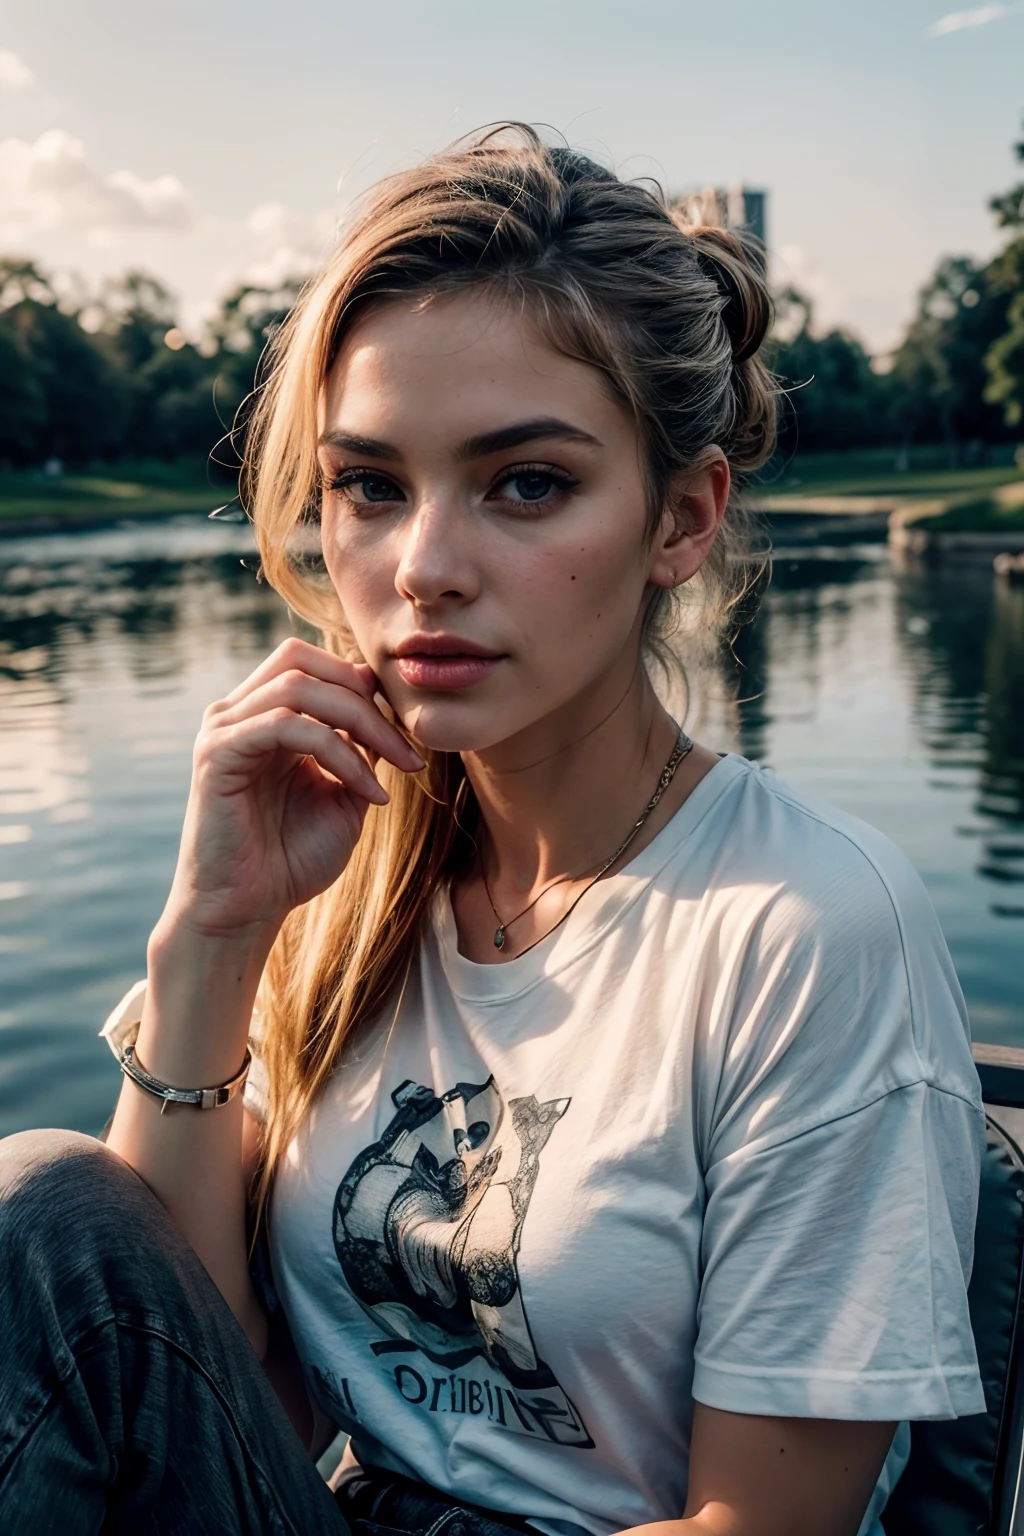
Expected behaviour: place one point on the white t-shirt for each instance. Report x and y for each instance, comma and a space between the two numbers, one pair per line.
717, 1138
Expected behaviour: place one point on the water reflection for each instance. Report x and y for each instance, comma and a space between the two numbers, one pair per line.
1002, 773
806, 583
966, 641
111, 645
898, 695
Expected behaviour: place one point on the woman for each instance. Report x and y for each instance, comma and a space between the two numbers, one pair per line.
616, 1105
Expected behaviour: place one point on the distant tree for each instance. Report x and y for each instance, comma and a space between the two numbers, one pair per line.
1004, 362
241, 329
1008, 207
22, 401
137, 312
170, 382
21, 280
23, 410
834, 398
84, 395
113, 376
939, 370
183, 419
237, 337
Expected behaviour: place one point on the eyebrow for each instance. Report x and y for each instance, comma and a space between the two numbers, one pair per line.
478, 447
523, 432
351, 442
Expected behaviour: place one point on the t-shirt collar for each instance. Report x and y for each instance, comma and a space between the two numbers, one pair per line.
599, 908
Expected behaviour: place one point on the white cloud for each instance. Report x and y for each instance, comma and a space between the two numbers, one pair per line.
52, 184
15, 74
958, 21
275, 224
287, 244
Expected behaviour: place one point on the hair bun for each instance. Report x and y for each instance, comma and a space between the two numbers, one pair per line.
736, 265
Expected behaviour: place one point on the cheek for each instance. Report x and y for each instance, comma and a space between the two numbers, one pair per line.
362, 578
584, 587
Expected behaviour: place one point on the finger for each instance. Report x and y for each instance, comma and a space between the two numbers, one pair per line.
335, 706
365, 670
295, 653
378, 694
280, 728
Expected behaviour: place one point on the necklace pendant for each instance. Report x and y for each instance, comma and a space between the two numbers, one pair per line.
499, 937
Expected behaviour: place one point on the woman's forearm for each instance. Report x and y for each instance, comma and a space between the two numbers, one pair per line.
193, 1033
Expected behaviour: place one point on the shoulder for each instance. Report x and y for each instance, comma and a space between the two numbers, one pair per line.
798, 871
767, 833
834, 982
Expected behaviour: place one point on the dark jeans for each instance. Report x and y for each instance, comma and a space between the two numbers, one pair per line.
131, 1401
380, 1504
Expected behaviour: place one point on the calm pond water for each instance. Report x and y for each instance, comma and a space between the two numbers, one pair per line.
896, 695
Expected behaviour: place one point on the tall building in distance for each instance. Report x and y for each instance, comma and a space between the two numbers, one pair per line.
735, 207
747, 208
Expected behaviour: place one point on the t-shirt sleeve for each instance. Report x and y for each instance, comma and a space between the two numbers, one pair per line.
121, 1028
842, 1140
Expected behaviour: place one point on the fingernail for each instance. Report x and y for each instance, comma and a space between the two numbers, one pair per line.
379, 794
419, 761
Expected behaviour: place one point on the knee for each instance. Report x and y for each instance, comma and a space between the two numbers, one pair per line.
51, 1179
30, 1157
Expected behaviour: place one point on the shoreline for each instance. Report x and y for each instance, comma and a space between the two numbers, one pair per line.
89, 519
31, 502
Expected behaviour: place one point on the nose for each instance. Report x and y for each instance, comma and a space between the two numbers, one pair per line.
436, 560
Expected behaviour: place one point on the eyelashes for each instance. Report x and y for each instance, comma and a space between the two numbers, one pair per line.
363, 477
532, 485
536, 477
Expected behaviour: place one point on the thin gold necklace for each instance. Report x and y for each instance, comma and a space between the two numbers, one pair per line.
682, 747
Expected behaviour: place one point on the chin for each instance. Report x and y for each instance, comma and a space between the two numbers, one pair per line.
452, 724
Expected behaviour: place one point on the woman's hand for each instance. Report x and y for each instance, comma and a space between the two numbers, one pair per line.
281, 782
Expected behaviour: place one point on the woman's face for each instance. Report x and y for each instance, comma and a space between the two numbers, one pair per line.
484, 522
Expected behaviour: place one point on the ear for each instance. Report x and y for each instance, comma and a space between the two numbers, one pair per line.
691, 517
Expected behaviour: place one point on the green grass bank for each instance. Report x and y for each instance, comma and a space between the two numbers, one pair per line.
34, 500
885, 472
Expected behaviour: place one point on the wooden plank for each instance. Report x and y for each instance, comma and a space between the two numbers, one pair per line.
998, 1055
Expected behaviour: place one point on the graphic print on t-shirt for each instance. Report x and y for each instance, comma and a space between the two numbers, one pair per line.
427, 1227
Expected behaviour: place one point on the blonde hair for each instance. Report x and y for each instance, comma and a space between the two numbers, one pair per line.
671, 312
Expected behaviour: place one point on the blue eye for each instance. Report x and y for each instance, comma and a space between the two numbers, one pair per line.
373, 489
534, 485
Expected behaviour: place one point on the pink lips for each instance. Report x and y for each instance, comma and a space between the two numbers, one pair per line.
444, 662
445, 672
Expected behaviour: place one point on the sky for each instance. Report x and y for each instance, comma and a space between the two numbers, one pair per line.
209, 141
